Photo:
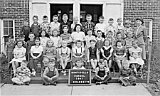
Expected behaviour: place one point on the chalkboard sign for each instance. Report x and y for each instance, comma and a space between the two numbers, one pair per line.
79, 77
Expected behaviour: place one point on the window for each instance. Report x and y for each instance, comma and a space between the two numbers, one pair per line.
8, 27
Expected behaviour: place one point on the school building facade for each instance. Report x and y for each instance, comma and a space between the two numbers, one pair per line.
12, 13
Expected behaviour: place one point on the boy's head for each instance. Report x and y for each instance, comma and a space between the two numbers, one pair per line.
19, 43
55, 18
21, 37
127, 23
101, 19
43, 33
119, 35
65, 29
111, 21
65, 17
35, 19
125, 64
110, 34
54, 32
139, 21
31, 36
37, 41
119, 21
51, 64
79, 43
24, 63
93, 43
45, 19
130, 34
88, 17
64, 43
45, 61
119, 43
50, 43
25, 22
79, 63
101, 63
89, 32
99, 33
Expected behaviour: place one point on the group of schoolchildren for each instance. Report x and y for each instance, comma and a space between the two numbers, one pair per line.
47, 44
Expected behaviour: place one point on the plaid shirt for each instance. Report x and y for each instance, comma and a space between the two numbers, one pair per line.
88, 26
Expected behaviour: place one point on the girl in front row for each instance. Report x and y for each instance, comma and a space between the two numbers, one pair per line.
107, 51
64, 54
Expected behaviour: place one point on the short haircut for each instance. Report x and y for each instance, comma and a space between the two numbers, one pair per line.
37, 38
140, 20
78, 41
119, 19
65, 26
55, 15
92, 40
45, 16
65, 15
35, 16
101, 17
88, 15
110, 43
111, 19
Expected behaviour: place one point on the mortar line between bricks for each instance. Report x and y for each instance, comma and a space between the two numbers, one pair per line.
72, 90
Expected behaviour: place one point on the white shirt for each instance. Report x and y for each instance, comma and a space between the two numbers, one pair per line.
55, 40
55, 25
78, 68
43, 41
78, 36
78, 50
36, 49
101, 26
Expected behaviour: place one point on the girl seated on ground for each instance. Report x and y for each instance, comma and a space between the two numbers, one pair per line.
107, 51
136, 60
50, 51
50, 75
78, 52
64, 56
19, 55
93, 54
79, 65
126, 76
36, 56
102, 75
22, 75
119, 53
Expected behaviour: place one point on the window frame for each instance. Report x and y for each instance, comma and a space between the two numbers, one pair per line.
150, 21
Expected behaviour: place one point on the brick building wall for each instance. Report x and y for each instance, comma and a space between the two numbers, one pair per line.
15, 9
147, 9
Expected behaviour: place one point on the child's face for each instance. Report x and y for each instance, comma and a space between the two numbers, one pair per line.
93, 44
101, 20
110, 22
31, 36
19, 44
10, 39
50, 43
55, 19
25, 23
127, 25
89, 18
35, 19
55, 33
106, 43
119, 22
119, 44
138, 22
78, 28
51, 64
101, 65
79, 64
23, 64
119, 36
89, 32
45, 60
64, 44
43, 34
99, 34
109, 34
130, 34
65, 18
65, 30
45, 20
37, 42
79, 44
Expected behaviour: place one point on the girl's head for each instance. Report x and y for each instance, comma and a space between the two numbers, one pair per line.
35, 19
101, 63
65, 17
93, 43
139, 21
50, 43
31, 36
101, 19
78, 28
45, 61
19, 43
79, 63
55, 32
107, 42
64, 44
55, 18
99, 33
89, 32
79, 43
37, 41
119, 35
119, 44
24, 63
65, 29
43, 33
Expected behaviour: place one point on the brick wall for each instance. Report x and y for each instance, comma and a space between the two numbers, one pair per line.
14, 9
147, 9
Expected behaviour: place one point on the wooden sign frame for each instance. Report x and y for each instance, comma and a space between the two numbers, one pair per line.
69, 83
